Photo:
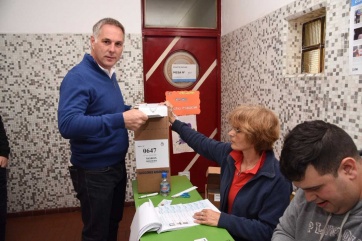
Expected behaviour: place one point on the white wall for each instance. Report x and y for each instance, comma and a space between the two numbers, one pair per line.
237, 13
78, 16
66, 16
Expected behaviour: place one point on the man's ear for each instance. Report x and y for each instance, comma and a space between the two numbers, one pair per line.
92, 41
348, 167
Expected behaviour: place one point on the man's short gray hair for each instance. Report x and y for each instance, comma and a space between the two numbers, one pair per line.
97, 27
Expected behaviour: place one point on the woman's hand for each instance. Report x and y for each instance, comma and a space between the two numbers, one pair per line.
207, 217
171, 116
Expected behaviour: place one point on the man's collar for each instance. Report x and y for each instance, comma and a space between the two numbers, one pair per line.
109, 73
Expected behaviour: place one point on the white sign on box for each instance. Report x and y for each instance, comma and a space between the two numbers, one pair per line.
217, 197
152, 154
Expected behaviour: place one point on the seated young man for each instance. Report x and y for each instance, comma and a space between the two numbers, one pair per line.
321, 160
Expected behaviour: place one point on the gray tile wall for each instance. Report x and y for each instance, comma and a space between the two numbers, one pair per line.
256, 69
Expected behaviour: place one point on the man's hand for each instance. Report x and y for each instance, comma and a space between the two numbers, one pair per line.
3, 162
134, 119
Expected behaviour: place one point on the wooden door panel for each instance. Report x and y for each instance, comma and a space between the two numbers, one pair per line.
204, 50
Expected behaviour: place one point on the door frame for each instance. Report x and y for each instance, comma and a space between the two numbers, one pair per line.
191, 32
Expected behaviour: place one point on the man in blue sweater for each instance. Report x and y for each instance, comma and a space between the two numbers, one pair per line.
93, 116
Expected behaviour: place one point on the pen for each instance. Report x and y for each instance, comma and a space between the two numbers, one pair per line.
187, 190
149, 195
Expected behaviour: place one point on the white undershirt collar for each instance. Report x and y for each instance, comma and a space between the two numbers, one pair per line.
109, 73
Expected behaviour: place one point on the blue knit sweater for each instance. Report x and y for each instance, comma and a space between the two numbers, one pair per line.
259, 204
90, 114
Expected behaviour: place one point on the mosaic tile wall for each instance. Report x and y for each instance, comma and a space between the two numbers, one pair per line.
31, 70
255, 70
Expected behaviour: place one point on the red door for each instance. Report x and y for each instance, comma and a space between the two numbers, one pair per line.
205, 50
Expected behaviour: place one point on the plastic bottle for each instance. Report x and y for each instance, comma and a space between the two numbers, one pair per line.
164, 185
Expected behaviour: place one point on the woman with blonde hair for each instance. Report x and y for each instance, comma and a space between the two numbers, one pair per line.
253, 192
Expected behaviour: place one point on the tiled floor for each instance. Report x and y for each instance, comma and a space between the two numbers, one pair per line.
58, 227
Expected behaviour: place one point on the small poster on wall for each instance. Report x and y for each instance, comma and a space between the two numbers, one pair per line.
179, 145
355, 57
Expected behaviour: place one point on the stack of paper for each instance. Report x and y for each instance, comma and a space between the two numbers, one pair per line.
166, 218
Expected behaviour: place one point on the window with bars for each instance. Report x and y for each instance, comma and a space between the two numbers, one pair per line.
313, 46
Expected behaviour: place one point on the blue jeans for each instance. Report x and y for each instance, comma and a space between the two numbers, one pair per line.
101, 193
3, 203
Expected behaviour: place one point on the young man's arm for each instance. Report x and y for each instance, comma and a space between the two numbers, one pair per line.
286, 229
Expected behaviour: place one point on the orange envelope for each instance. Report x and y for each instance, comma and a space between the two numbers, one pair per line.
184, 102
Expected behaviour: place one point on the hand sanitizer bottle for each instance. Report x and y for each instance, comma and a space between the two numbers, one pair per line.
164, 185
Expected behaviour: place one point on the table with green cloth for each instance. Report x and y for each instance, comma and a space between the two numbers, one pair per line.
179, 184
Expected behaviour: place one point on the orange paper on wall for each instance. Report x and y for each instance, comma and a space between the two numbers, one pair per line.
184, 102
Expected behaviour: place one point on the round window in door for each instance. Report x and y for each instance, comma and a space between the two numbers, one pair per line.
181, 69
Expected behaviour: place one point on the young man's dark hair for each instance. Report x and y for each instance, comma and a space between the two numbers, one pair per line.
316, 142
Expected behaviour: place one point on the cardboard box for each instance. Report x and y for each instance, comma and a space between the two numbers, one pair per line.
214, 196
152, 149
213, 177
212, 187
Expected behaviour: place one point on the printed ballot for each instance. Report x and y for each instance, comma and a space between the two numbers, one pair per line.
165, 218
